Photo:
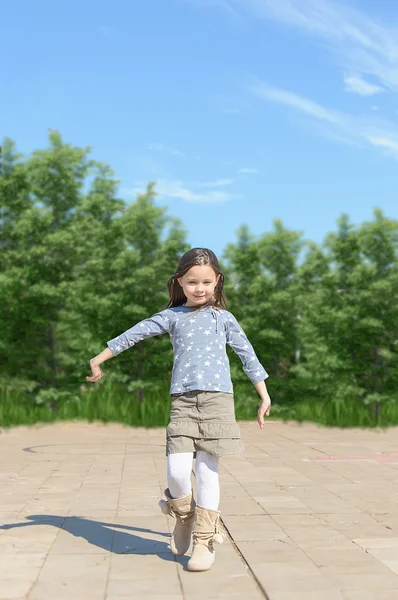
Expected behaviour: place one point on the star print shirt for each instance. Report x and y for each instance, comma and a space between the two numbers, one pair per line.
199, 344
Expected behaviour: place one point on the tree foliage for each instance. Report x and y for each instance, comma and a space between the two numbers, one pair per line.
79, 265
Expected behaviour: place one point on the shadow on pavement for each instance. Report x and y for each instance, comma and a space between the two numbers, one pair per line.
106, 535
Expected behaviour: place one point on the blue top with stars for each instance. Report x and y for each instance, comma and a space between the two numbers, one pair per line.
200, 357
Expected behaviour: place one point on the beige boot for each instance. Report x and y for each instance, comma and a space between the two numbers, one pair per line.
184, 511
206, 531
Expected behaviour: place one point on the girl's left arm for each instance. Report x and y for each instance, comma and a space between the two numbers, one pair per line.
265, 405
237, 339
262, 390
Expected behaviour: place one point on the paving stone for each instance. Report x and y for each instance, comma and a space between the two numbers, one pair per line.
312, 513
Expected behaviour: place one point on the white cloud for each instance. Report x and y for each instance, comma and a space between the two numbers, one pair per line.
362, 45
217, 183
178, 189
390, 144
368, 54
206, 192
165, 149
279, 96
339, 126
224, 5
247, 170
357, 85
228, 8
231, 106
194, 192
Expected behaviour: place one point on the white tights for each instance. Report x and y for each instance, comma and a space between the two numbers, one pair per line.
179, 467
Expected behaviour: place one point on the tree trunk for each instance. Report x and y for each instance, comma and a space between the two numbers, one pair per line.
376, 405
298, 354
53, 360
276, 372
140, 371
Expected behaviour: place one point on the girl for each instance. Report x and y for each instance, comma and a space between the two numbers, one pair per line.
202, 419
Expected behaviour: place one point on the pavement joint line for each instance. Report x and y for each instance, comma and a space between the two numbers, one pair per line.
175, 559
242, 557
113, 533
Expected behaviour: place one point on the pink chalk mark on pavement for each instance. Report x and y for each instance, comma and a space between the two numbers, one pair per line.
384, 457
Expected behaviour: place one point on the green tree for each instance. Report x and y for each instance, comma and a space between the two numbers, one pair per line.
78, 267
263, 298
348, 327
122, 283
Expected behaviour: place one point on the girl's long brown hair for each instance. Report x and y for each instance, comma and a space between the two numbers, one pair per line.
192, 258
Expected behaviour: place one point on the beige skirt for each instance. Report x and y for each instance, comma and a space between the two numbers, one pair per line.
203, 420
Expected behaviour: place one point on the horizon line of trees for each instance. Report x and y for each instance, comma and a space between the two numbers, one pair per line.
78, 266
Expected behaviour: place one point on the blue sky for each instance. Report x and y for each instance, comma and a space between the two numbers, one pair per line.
242, 110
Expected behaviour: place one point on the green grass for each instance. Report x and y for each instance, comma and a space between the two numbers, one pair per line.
102, 403
99, 404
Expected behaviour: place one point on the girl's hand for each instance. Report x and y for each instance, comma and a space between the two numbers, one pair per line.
97, 373
263, 409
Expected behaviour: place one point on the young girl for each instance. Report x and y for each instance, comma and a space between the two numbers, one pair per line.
202, 419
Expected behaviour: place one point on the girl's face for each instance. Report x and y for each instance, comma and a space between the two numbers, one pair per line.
198, 284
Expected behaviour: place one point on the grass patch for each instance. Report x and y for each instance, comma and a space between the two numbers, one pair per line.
103, 404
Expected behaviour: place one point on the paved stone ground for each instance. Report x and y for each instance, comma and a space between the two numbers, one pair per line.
311, 514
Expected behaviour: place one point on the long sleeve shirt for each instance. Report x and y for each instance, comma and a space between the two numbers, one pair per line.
199, 345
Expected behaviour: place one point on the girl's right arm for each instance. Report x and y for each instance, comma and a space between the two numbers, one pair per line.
95, 362
155, 325
101, 357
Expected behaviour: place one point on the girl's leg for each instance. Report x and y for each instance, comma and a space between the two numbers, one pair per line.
207, 482
179, 467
